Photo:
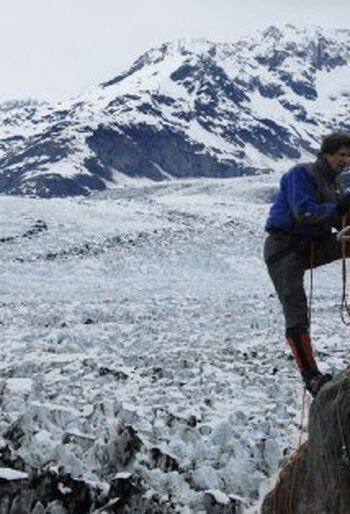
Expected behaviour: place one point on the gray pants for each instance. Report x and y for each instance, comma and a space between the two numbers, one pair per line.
287, 260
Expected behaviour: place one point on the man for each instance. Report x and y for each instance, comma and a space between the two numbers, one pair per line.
299, 225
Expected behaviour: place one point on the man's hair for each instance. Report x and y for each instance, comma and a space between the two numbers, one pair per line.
333, 142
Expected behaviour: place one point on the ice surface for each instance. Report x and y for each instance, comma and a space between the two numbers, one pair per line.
12, 474
149, 306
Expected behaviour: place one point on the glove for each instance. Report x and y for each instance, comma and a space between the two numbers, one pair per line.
343, 204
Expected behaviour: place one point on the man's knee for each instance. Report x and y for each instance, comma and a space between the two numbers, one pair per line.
328, 250
296, 315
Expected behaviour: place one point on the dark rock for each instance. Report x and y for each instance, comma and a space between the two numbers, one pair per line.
217, 503
125, 487
183, 72
144, 151
7, 239
88, 321
15, 433
163, 460
39, 226
13, 496
122, 450
118, 374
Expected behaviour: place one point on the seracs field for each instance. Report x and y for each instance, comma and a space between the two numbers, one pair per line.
141, 340
149, 306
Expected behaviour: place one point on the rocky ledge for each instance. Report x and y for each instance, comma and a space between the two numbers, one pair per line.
316, 479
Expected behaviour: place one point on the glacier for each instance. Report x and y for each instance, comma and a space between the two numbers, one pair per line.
143, 318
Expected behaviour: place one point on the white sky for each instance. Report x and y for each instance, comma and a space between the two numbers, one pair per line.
58, 48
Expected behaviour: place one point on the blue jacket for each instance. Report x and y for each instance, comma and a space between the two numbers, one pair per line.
306, 201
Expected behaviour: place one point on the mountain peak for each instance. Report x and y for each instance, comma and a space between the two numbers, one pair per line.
272, 32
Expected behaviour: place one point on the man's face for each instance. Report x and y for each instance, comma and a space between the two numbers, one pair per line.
339, 160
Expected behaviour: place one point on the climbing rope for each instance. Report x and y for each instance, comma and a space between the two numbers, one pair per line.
297, 454
311, 291
293, 462
295, 457
344, 236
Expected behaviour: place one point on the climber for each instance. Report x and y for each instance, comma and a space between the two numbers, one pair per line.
300, 225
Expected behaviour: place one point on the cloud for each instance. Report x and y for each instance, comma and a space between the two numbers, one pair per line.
54, 48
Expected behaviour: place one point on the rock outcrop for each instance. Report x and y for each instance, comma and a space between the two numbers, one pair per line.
316, 479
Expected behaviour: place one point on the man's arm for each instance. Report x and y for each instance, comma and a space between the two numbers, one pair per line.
301, 195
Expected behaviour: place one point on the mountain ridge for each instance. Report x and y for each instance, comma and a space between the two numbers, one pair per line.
190, 108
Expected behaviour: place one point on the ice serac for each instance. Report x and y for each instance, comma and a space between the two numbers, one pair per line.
191, 108
317, 477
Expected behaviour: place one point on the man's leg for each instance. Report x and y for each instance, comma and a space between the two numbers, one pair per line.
287, 275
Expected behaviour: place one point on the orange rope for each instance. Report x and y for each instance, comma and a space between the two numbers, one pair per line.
292, 461
295, 469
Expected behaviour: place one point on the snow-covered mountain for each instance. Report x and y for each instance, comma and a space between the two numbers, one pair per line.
191, 108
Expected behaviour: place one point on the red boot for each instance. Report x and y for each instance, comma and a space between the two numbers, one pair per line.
299, 340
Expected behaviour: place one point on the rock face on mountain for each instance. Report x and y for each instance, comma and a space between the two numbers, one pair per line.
316, 480
190, 108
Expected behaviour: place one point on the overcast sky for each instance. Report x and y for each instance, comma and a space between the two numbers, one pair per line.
58, 48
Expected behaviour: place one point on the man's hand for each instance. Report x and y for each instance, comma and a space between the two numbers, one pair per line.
343, 204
